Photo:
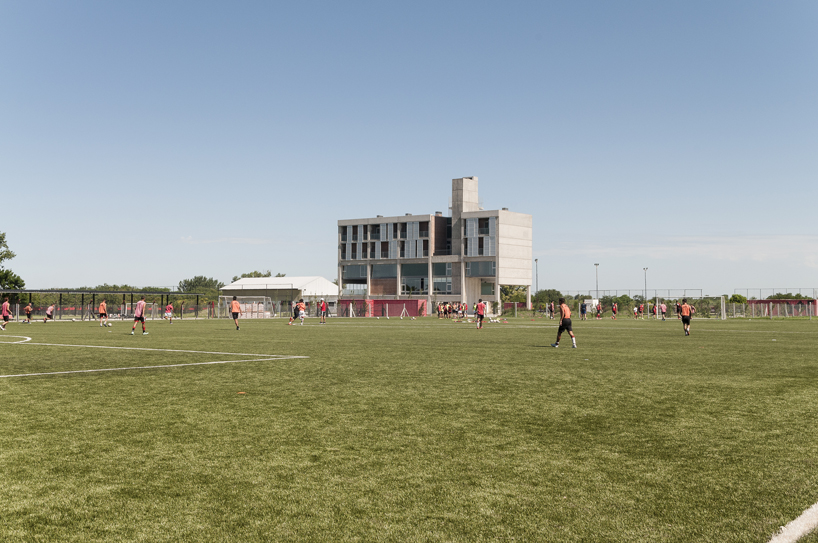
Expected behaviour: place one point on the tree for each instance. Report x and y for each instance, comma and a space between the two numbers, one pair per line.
200, 283
5, 252
267, 273
510, 293
8, 279
737, 299
546, 296
281, 275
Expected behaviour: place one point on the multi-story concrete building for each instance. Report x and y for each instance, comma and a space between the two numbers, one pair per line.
461, 258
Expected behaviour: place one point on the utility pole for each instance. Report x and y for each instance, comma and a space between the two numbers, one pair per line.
537, 268
597, 281
646, 285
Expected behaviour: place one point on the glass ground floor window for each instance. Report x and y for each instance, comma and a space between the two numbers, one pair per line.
442, 285
414, 285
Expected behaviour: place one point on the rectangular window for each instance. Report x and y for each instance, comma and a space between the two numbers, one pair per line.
481, 268
414, 270
442, 285
442, 269
375, 232
483, 227
354, 272
384, 271
385, 249
487, 289
414, 285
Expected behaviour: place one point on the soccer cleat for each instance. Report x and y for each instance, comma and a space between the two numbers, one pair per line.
555, 345
237, 327
132, 332
144, 333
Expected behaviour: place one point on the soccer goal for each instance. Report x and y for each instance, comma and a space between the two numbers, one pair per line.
151, 310
252, 307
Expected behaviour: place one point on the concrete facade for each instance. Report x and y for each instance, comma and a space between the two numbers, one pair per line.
461, 258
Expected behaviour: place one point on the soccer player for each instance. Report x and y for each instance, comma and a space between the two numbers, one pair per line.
322, 312
685, 313
583, 308
565, 325
6, 311
635, 312
295, 313
642, 311
663, 308
49, 314
480, 313
169, 312
28, 313
103, 313
235, 309
678, 310
552, 310
302, 310
599, 311
614, 309
139, 316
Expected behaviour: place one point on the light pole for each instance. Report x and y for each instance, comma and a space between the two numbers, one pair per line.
596, 267
537, 271
646, 285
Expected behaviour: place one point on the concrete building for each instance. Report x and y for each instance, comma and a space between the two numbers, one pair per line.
461, 258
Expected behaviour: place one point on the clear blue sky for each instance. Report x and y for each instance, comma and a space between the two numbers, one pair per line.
148, 142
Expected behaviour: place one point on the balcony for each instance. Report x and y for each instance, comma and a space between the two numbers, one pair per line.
343, 256
482, 231
426, 253
354, 237
343, 237
384, 254
403, 234
423, 234
403, 254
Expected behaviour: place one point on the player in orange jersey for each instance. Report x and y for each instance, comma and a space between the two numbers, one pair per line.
103, 313
235, 309
686, 312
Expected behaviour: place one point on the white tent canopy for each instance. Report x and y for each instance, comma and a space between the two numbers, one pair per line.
307, 287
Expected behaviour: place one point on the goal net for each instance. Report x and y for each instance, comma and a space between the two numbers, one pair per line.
151, 310
252, 307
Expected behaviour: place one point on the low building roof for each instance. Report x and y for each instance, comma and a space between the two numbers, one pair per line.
309, 286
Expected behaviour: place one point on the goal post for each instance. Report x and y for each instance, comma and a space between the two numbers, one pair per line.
252, 307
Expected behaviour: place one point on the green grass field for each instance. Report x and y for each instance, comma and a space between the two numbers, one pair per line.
409, 431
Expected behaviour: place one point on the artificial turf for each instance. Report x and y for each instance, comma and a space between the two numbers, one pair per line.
404, 430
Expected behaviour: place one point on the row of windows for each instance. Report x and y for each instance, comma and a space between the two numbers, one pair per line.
442, 270
365, 232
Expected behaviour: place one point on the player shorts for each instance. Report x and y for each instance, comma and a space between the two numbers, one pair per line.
322, 314
49, 317
5, 318
103, 315
168, 314
479, 318
28, 316
139, 319
302, 314
565, 326
685, 319
235, 315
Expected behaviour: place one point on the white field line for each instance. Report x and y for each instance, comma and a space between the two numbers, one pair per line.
798, 528
151, 367
144, 349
